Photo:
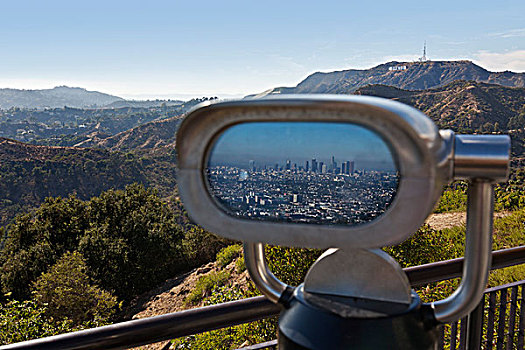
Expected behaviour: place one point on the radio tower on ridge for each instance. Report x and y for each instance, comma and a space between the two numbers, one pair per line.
424, 57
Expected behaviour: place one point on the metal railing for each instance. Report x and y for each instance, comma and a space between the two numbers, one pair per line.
174, 325
497, 323
272, 344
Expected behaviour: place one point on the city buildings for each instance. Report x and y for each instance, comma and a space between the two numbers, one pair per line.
317, 194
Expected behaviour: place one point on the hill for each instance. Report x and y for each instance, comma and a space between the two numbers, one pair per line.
145, 154
467, 107
404, 75
461, 105
56, 97
30, 173
147, 136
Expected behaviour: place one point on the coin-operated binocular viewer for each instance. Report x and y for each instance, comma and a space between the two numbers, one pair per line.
351, 174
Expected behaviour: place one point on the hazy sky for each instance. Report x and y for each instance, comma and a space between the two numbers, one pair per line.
139, 49
268, 143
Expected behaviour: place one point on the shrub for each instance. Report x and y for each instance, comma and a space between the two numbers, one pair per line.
290, 265
35, 242
240, 266
26, 320
200, 246
425, 246
454, 198
508, 230
230, 337
506, 275
130, 240
205, 285
69, 294
437, 291
226, 255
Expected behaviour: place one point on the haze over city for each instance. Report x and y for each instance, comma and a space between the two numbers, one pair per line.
268, 144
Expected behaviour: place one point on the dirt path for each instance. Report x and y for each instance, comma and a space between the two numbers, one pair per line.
448, 220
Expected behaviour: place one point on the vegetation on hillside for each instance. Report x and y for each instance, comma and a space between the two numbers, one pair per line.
29, 174
509, 196
77, 261
124, 242
466, 107
26, 320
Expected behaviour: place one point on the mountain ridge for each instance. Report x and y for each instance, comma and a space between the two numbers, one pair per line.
57, 97
404, 75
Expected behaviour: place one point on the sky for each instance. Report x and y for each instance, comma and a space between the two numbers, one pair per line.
270, 143
175, 49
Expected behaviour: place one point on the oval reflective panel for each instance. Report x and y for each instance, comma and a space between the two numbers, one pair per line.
303, 172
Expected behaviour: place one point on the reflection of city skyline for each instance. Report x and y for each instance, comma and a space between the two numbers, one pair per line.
315, 164
298, 195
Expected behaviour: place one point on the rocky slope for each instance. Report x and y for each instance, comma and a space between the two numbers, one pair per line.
170, 297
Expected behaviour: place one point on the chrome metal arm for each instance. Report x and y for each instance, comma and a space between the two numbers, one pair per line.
260, 273
478, 248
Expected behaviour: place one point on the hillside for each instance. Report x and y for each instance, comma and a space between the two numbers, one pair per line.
416, 76
56, 97
147, 136
145, 154
441, 239
461, 104
466, 106
29, 173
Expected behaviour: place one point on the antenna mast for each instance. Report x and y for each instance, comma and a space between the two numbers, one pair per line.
424, 57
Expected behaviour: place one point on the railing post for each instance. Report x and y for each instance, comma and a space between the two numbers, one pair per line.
475, 326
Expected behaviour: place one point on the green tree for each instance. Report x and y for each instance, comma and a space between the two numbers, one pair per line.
37, 240
201, 246
134, 241
68, 292
130, 240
